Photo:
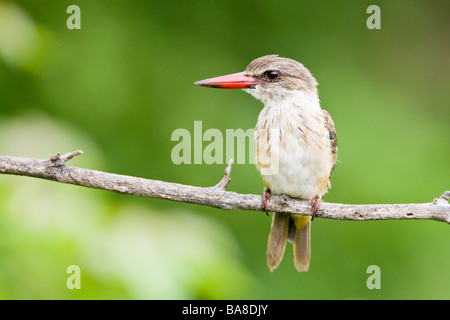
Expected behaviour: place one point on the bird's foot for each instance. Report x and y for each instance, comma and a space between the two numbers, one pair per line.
315, 208
265, 200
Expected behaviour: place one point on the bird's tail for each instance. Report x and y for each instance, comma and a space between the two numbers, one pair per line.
302, 242
277, 239
298, 230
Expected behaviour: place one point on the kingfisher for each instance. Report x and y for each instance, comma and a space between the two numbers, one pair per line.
296, 146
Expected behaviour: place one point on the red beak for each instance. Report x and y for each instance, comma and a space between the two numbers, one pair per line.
238, 80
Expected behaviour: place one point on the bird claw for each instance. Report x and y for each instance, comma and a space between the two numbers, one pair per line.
315, 208
265, 200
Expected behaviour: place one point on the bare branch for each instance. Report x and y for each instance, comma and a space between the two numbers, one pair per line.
55, 169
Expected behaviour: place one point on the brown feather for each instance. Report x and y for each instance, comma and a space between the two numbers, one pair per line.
277, 239
329, 124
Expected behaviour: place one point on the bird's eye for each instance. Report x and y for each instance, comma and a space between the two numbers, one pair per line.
271, 74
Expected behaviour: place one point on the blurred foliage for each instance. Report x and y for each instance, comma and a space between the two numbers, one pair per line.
121, 85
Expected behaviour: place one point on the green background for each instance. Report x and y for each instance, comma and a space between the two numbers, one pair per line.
121, 85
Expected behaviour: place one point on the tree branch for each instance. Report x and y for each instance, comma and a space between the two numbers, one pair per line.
55, 169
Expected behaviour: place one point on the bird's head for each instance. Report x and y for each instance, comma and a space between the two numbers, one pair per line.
269, 78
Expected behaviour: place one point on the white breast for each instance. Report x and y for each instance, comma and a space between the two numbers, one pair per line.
293, 149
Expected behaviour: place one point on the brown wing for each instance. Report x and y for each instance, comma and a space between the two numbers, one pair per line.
329, 124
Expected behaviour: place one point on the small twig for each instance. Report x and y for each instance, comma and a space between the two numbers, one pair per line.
443, 199
58, 160
56, 170
70, 155
226, 177
445, 196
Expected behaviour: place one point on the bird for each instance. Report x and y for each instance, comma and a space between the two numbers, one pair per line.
296, 146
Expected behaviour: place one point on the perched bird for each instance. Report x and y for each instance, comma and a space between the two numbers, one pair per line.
296, 146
